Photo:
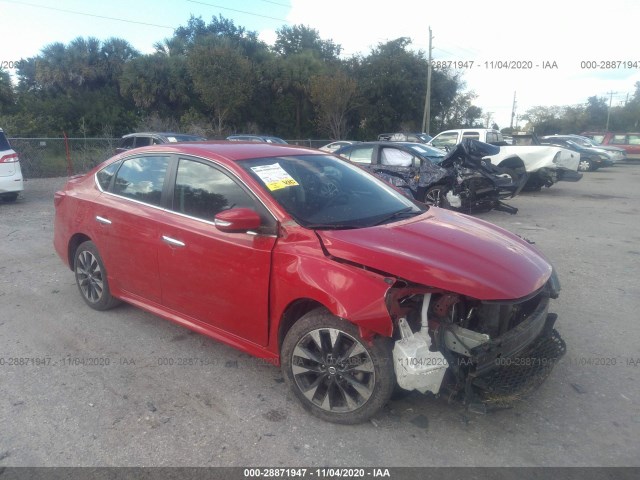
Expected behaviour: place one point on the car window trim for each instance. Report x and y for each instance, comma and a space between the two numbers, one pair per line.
172, 171
115, 174
230, 173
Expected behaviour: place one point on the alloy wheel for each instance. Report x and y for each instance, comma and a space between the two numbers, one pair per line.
89, 276
333, 370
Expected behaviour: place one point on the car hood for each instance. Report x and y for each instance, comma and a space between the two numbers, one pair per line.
446, 250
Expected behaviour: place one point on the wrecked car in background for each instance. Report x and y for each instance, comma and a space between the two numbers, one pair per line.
460, 180
544, 164
350, 286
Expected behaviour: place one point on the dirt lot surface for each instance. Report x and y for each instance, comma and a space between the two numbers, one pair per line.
125, 388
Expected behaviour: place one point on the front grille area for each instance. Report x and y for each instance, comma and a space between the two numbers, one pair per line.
516, 377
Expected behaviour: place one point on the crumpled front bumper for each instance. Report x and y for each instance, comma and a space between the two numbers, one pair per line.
510, 378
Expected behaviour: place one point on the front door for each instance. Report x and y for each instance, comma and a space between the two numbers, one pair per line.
219, 278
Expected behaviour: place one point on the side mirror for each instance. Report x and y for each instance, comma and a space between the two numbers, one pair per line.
237, 220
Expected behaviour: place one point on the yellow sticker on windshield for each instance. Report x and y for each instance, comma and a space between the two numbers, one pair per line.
274, 176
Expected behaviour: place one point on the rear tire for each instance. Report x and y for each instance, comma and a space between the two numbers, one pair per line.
91, 278
336, 375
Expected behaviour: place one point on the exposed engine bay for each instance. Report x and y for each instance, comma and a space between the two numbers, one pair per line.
483, 352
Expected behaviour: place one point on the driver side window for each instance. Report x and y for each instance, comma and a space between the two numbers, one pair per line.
203, 191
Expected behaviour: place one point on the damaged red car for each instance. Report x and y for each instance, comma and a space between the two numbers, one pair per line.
298, 257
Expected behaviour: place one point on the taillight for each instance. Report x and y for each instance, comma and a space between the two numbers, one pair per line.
12, 158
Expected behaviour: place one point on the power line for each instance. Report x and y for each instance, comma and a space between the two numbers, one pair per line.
240, 11
89, 14
276, 3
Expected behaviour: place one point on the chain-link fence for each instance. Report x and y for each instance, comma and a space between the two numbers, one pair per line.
55, 157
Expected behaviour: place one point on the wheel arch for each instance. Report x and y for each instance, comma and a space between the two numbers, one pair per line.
74, 242
294, 311
514, 162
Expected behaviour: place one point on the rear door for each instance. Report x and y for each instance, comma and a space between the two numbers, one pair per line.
127, 219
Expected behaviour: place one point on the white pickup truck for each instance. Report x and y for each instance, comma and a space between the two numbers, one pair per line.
545, 164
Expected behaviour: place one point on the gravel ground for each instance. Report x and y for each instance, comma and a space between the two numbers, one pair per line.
151, 393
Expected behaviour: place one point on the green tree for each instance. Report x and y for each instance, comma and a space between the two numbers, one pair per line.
596, 113
333, 97
296, 39
158, 84
292, 88
222, 77
7, 95
74, 88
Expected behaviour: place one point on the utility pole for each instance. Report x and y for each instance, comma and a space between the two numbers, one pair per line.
513, 111
426, 118
611, 94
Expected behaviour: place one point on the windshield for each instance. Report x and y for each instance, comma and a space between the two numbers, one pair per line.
584, 141
324, 192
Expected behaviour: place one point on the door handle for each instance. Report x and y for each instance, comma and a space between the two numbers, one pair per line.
172, 241
104, 221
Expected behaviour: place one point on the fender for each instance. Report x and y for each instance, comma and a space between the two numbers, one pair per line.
347, 291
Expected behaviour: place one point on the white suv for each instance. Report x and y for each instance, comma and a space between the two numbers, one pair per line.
11, 183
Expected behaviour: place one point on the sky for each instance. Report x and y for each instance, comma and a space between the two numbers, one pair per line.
579, 42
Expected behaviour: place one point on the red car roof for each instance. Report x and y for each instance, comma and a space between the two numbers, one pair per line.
232, 150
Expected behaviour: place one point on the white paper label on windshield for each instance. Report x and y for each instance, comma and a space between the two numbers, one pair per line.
172, 139
274, 176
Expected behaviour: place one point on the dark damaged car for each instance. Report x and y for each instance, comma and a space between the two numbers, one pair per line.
410, 167
462, 179
307, 261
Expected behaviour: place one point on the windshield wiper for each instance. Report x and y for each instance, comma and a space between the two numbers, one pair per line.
405, 212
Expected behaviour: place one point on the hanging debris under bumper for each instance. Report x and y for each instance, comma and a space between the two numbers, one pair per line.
515, 377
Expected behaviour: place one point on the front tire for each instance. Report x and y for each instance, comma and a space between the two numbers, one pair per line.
334, 373
585, 165
436, 196
91, 278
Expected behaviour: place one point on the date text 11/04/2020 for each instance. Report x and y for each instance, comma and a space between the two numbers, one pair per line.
502, 64
496, 64
316, 472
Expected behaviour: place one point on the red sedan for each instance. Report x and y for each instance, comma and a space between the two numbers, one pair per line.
296, 256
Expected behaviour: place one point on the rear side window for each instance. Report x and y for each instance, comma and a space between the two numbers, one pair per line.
476, 136
143, 141
142, 178
619, 140
359, 155
445, 139
105, 175
127, 142
4, 143
634, 139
